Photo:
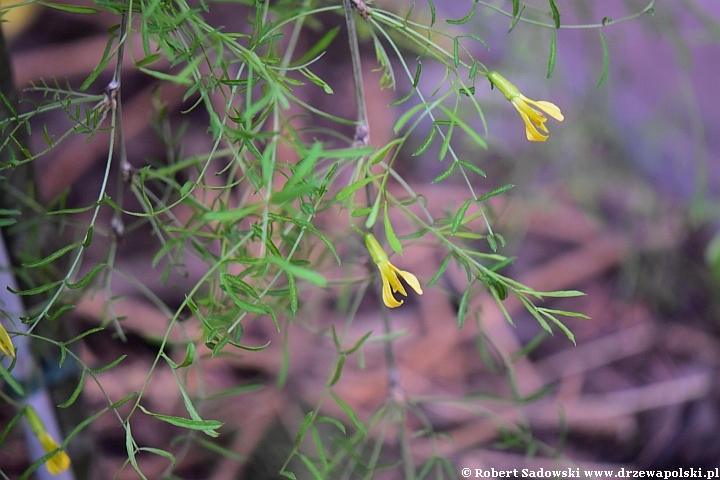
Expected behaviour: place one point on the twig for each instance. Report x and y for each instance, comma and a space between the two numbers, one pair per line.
362, 130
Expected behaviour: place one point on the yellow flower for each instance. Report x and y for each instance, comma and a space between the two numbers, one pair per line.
389, 274
534, 120
6, 346
59, 462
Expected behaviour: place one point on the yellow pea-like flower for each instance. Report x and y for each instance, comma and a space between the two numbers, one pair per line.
533, 118
60, 461
389, 274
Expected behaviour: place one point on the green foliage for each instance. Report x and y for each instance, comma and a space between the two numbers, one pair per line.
258, 232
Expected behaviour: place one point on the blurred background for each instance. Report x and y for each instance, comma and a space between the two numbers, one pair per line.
621, 203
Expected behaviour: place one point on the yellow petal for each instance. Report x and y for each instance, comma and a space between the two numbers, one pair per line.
388, 298
389, 270
411, 280
530, 130
547, 107
59, 462
6, 346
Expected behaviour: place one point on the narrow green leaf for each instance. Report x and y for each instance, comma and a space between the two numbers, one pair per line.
57, 313
236, 214
70, 8
565, 313
189, 356
473, 70
36, 290
446, 143
426, 143
441, 269
317, 475
219, 449
307, 421
351, 450
555, 13
492, 242
239, 285
8, 426
432, 12
185, 77
416, 79
460, 216
497, 288
70, 211
465, 19
239, 390
553, 52
559, 293
10, 380
123, 401
358, 344
332, 421
390, 234
159, 452
250, 349
350, 413
305, 273
456, 52
380, 154
446, 173
561, 325
258, 308
338, 371
322, 456
284, 362
516, 19
316, 80
293, 292
372, 217
6, 222
88, 237
462, 308
202, 425
468, 92
51, 257
455, 120
107, 367
86, 279
495, 192
405, 117
76, 393
194, 416
472, 167
361, 212
130, 447
83, 335
404, 99
350, 189
606, 59
319, 48
148, 60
